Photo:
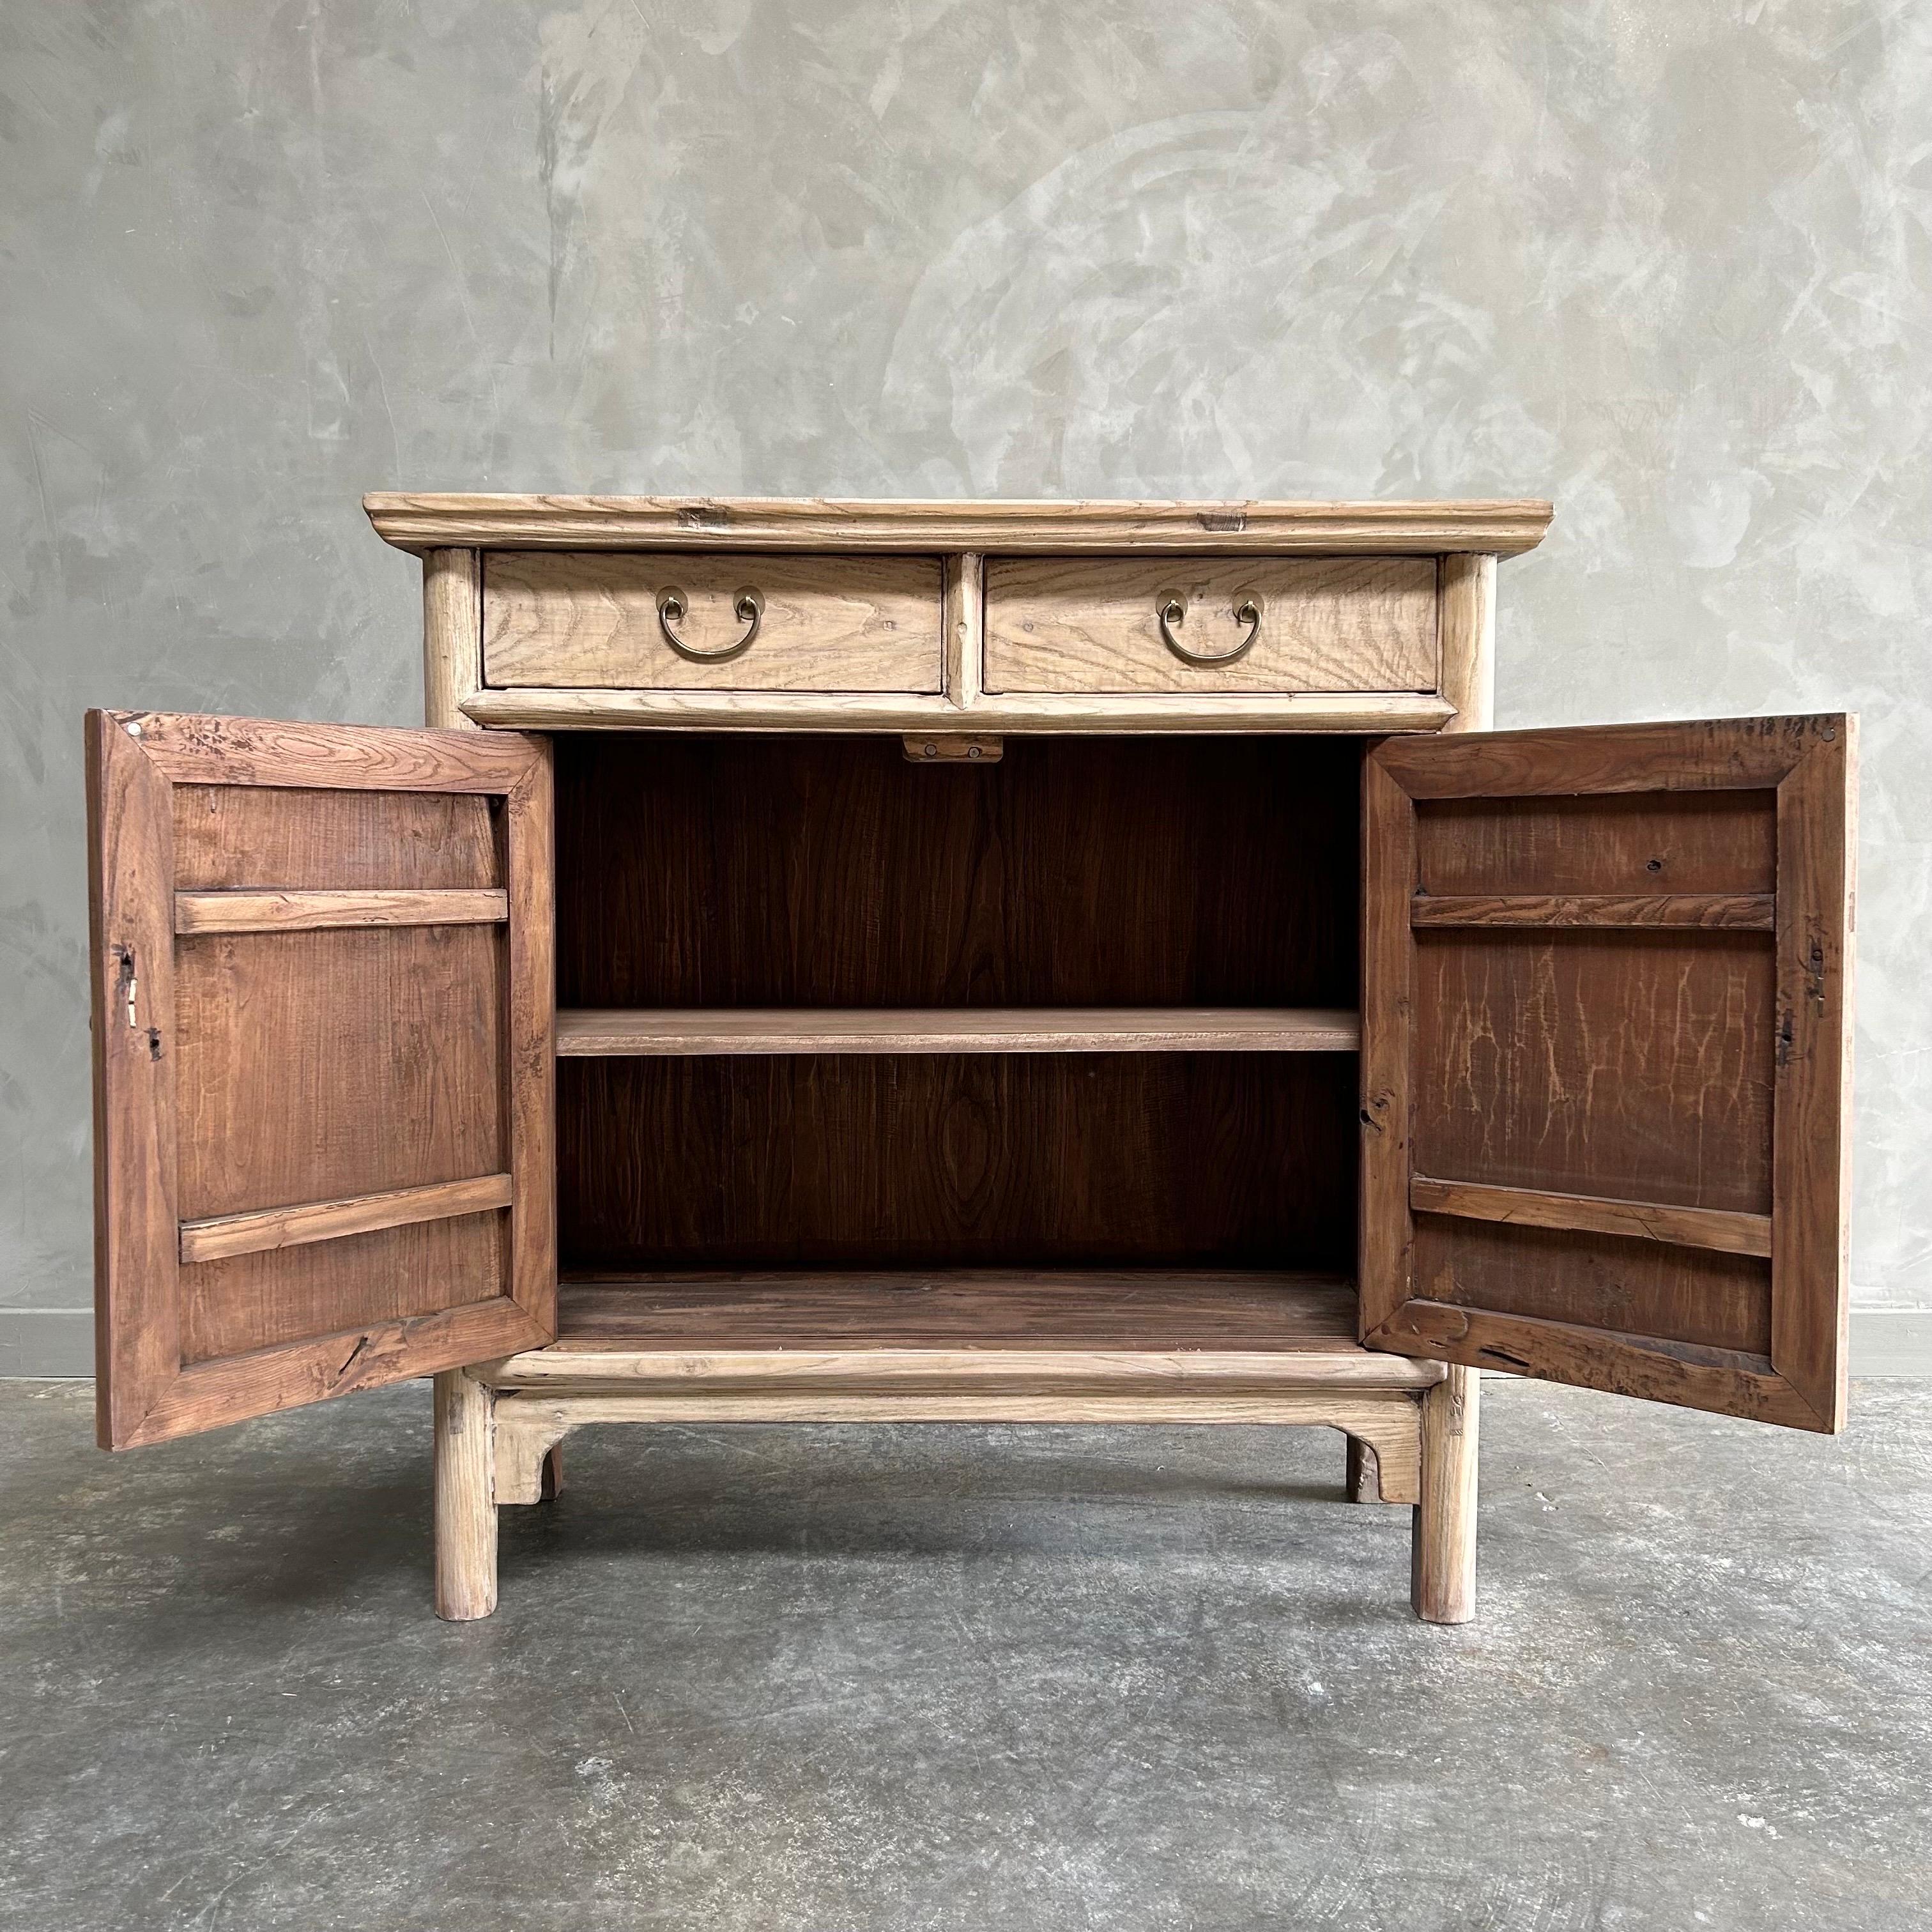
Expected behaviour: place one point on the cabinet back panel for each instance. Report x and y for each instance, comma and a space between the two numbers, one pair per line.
318, 840
1148, 1160
778, 871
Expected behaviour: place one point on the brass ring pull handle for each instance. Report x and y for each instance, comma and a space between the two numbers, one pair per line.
1173, 610
747, 606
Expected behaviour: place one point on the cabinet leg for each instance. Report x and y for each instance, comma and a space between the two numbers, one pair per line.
1364, 1483
1442, 1575
465, 1498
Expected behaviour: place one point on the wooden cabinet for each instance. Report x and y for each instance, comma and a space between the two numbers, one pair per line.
943, 961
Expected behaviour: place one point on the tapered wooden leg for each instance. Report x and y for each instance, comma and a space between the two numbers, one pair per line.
465, 1498
551, 1483
1362, 1484
1442, 1575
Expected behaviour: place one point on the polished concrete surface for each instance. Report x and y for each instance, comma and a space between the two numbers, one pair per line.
956, 1677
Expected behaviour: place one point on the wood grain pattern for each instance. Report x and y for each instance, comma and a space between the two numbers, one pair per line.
1165, 1160
528, 708
328, 1220
236, 911
1635, 1066
130, 908
277, 1069
1627, 844
830, 623
1442, 1573
1121, 1311
188, 749
318, 1066
1386, 1111
1700, 755
1466, 616
1650, 1072
248, 838
963, 615
783, 872
1090, 624
634, 1031
1722, 1382
1641, 1220
1741, 912
452, 634
417, 521
1706, 1296
465, 1498
1817, 846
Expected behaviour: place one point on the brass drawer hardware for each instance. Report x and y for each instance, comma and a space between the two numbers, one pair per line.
1173, 610
747, 606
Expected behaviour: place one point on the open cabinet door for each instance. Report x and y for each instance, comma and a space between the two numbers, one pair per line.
1604, 1058
323, 1003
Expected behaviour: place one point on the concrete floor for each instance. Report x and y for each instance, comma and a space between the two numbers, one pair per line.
965, 1678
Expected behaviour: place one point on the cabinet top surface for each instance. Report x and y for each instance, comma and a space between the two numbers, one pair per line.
419, 522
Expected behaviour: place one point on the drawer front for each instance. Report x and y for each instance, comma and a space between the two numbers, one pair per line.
1276, 624
676, 620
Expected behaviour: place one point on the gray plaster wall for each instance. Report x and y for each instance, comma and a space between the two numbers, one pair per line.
1666, 264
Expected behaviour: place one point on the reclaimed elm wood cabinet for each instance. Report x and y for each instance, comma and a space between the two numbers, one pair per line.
858, 961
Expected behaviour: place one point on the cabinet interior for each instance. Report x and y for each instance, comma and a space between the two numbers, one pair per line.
1205, 886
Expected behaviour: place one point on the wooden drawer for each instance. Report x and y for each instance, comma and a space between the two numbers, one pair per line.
1094, 624
825, 623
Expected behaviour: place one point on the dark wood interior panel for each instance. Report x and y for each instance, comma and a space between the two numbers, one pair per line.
1634, 1065
1187, 1160
1628, 843
254, 1301
1606, 1281
1129, 1309
776, 871
312, 1065
315, 840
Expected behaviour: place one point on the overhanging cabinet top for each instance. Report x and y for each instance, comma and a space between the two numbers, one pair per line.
813, 614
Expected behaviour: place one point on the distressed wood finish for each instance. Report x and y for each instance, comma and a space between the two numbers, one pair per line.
1091, 624
1626, 1143
624, 1032
829, 623
466, 1497
1740, 912
452, 634
226, 1235
234, 910
1219, 713
1467, 623
303, 1130
420, 522
964, 602
1442, 1578
1649, 1220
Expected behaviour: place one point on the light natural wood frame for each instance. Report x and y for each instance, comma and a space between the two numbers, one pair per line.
427, 522
1810, 763
144, 1393
450, 533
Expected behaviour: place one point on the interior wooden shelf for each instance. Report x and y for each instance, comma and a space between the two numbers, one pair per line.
588, 1032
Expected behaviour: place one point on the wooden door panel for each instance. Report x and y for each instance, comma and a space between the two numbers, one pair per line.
323, 1006
1657, 1091
1605, 1023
